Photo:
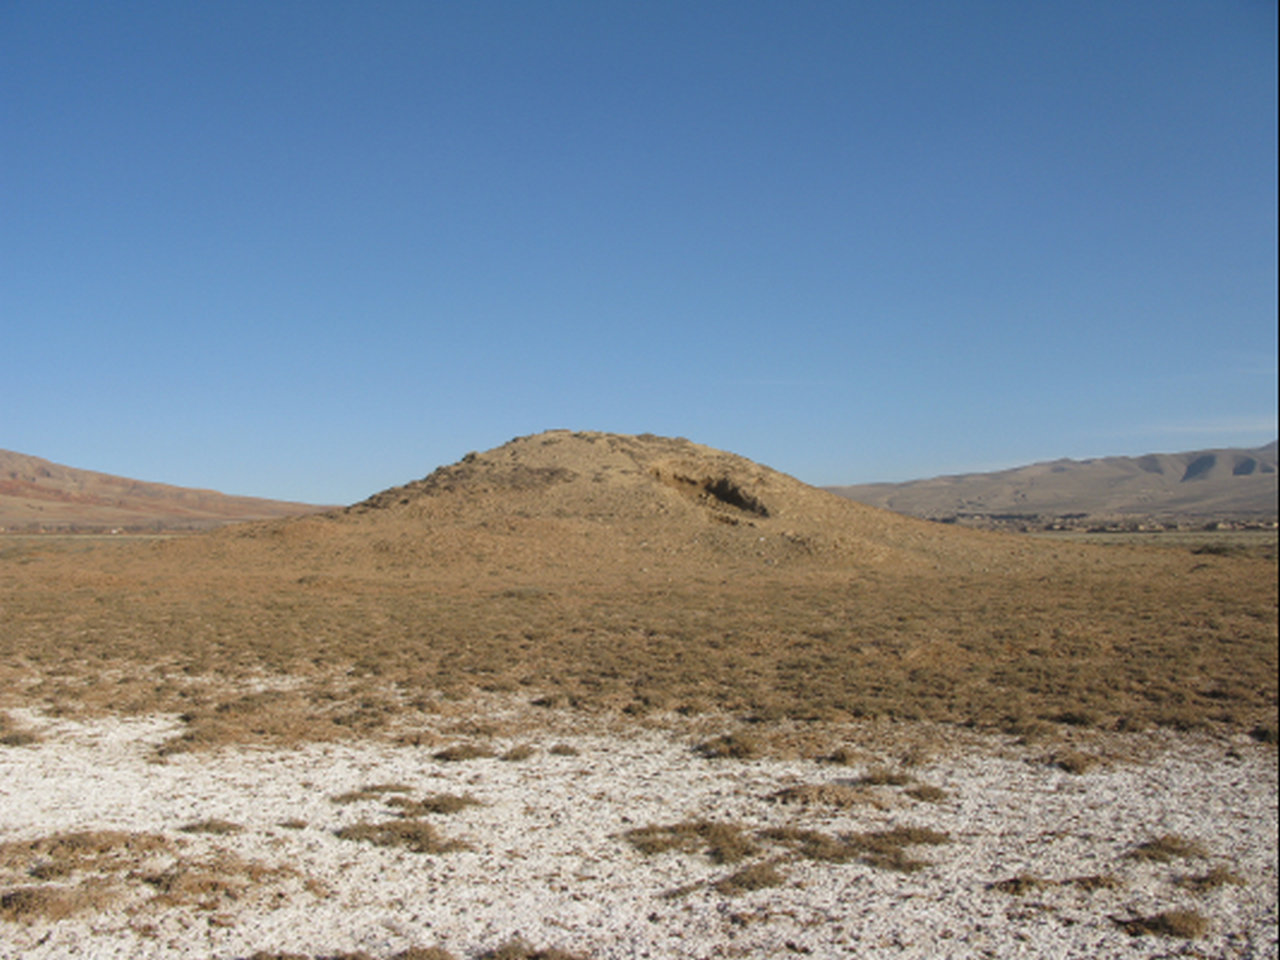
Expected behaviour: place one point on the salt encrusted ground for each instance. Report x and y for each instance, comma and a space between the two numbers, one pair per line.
548, 861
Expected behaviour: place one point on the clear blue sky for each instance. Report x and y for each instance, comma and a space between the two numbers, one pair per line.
309, 250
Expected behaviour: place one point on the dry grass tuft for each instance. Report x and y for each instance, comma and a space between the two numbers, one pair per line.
727, 843
1095, 881
474, 727
418, 738
1077, 718
884, 777
27, 904
1167, 847
413, 953
736, 746
415, 835
353, 796
464, 751
1028, 883
909, 836
371, 791
845, 756
215, 882
520, 949
89, 863
213, 826
1184, 924
94, 868
196, 883
927, 793
1073, 761
1020, 885
432, 803
722, 842
812, 844
758, 876
885, 849
838, 795
519, 752
61, 854
1212, 880
19, 738
279, 717
14, 734
1029, 729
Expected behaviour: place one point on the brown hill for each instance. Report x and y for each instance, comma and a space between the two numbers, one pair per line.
1230, 483
639, 574
36, 494
608, 507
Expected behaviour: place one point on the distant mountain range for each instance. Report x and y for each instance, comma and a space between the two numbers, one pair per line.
1227, 483
36, 494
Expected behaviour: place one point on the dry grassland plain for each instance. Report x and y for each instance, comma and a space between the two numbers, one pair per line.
630, 580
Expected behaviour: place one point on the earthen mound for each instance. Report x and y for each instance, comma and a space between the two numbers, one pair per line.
602, 502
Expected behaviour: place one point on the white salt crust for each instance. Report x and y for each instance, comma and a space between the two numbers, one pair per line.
548, 862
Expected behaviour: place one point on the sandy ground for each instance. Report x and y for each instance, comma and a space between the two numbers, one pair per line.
547, 859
